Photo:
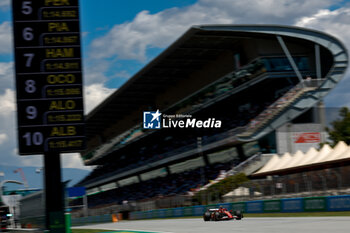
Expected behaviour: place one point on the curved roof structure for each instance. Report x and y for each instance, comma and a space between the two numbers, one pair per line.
313, 159
199, 46
201, 57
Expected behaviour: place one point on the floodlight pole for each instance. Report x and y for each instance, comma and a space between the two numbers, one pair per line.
54, 199
85, 204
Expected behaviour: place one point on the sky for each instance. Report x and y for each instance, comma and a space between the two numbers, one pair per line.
121, 37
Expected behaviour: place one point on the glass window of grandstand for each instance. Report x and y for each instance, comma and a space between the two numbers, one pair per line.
225, 156
161, 172
128, 181
280, 64
251, 148
108, 186
92, 191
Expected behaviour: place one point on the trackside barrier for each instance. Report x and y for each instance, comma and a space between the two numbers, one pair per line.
188, 211
199, 210
315, 204
92, 219
254, 207
178, 212
239, 206
226, 205
169, 213
338, 203
213, 206
292, 205
155, 214
161, 213
272, 206
287, 205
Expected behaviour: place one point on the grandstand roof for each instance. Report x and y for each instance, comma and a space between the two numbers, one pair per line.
189, 53
197, 47
313, 159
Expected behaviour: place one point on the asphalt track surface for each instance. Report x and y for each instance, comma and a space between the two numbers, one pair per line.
251, 225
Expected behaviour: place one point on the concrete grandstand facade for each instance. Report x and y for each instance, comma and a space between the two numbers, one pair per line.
251, 77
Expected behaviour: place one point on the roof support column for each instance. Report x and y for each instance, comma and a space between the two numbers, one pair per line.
241, 154
290, 58
318, 61
168, 170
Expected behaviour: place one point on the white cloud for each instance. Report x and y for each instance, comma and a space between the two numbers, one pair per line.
84, 34
5, 38
73, 160
131, 39
122, 74
95, 94
8, 128
4, 4
6, 76
7, 100
336, 23
333, 22
3, 138
30, 160
94, 70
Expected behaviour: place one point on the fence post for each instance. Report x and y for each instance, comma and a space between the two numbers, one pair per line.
68, 223
324, 182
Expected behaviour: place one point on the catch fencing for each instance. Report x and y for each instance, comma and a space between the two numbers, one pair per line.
286, 205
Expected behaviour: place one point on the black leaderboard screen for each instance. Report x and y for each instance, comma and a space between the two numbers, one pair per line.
48, 65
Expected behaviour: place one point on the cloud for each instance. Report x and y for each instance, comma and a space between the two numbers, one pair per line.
73, 160
122, 74
3, 138
336, 23
7, 100
8, 127
131, 40
6, 76
95, 94
5, 37
4, 4
266, 11
94, 71
29, 161
333, 22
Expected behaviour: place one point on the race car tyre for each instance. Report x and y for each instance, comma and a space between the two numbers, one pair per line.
206, 216
217, 216
238, 215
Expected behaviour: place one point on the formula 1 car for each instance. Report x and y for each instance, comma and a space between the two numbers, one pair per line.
222, 214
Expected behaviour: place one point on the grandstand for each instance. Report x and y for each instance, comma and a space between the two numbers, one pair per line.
253, 78
322, 172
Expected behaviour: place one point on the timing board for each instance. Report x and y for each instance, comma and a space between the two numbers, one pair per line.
50, 109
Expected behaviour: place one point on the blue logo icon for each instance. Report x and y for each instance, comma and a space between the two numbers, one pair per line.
151, 120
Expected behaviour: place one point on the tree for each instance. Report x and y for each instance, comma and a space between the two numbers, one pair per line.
340, 130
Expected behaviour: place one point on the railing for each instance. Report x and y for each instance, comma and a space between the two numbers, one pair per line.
281, 104
222, 88
308, 183
236, 169
218, 89
244, 164
234, 134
